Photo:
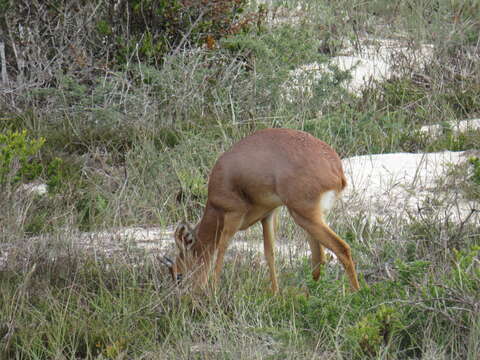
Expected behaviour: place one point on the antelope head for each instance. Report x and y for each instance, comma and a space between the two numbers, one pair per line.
184, 239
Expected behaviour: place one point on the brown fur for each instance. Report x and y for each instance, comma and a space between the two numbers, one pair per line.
271, 168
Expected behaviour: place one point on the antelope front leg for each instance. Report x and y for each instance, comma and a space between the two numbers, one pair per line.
231, 224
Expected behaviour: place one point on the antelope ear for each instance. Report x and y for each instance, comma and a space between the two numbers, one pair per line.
184, 237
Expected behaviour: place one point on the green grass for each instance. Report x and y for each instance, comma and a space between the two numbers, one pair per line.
79, 306
132, 145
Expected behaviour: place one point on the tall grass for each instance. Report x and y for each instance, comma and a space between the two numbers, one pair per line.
134, 146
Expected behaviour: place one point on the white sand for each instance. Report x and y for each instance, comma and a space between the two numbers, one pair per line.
454, 126
379, 186
375, 60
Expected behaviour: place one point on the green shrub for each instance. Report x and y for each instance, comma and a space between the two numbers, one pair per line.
466, 270
374, 330
17, 154
153, 28
145, 29
91, 208
20, 161
409, 273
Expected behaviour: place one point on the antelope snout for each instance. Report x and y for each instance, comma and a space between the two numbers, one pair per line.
172, 268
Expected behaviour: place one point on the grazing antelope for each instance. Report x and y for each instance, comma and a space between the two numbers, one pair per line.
271, 168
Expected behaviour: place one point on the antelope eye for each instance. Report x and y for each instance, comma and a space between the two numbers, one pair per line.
179, 278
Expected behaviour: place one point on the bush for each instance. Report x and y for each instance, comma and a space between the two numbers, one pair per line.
154, 28
374, 331
107, 34
17, 154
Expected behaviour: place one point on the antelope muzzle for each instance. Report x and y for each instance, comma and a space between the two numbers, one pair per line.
172, 268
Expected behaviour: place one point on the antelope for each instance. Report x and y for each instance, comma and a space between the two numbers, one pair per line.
266, 170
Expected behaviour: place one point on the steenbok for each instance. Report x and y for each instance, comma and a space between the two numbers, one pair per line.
271, 168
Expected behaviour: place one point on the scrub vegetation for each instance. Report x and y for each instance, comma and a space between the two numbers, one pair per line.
122, 107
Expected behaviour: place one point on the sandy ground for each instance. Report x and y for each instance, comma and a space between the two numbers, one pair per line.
374, 60
453, 126
389, 184
379, 187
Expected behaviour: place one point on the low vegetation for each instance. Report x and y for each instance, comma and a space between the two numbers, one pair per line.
123, 121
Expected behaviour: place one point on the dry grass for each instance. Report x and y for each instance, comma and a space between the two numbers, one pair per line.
136, 147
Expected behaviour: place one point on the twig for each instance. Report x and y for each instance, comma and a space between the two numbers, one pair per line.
3, 61
462, 224
421, 304
187, 34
